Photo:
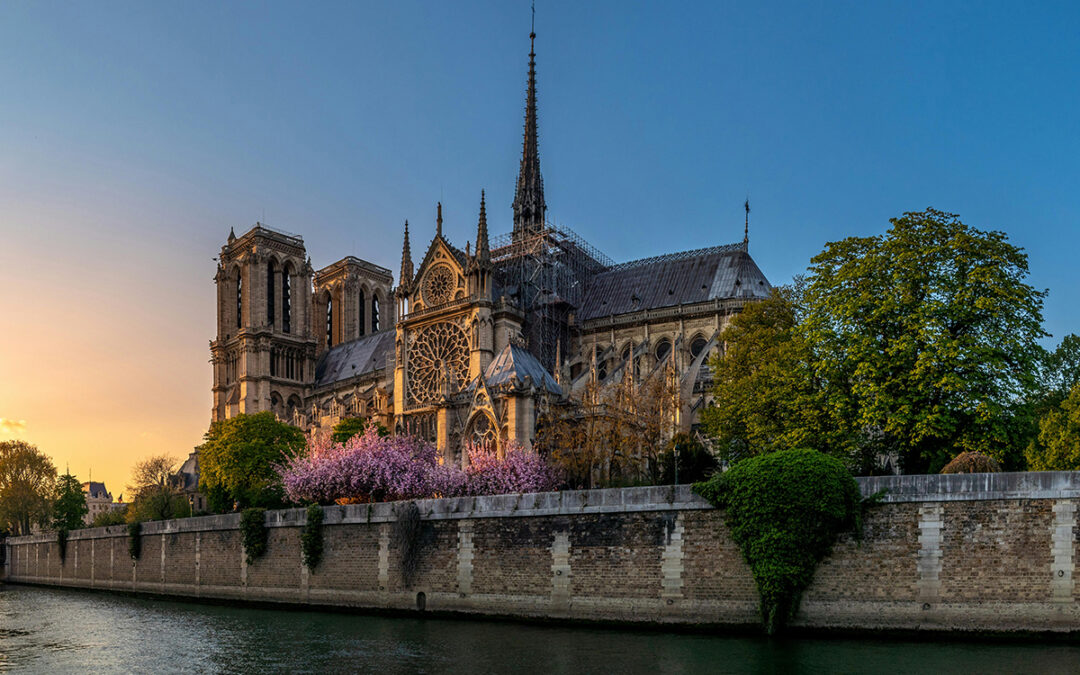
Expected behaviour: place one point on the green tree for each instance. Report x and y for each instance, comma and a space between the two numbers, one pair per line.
352, 426
70, 508
157, 495
1057, 447
237, 459
764, 396
110, 517
27, 481
923, 338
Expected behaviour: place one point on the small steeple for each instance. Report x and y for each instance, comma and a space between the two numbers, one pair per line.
232, 233
529, 206
746, 227
483, 250
438, 222
406, 260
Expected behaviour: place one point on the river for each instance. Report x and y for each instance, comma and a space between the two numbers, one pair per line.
58, 630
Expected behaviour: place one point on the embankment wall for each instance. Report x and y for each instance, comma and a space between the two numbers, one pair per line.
989, 552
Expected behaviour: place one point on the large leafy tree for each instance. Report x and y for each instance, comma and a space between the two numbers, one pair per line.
27, 481
237, 460
923, 338
70, 506
764, 394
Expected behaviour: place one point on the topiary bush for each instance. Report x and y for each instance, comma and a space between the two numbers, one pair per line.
785, 510
135, 540
311, 537
253, 532
972, 462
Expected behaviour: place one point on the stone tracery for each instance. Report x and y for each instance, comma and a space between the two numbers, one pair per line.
435, 352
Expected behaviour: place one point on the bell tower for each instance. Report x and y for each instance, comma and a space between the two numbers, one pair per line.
264, 353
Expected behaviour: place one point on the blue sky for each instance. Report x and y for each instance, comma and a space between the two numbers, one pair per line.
133, 135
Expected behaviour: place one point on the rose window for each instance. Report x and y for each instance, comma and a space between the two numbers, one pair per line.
436, 352
438, 285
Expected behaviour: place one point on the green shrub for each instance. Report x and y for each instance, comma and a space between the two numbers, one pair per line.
253, 532
61, 542
311, 537
785, 510
685, 460
110, 517
135, 539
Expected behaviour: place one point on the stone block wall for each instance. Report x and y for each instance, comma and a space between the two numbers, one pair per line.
941, 553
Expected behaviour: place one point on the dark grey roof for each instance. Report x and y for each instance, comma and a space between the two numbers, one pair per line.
353, 358
721, 272
96, 490
514, 360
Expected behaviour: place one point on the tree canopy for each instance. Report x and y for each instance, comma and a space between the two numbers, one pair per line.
1057, 447
237, 460
155, 490
915, 345
348, 427
70, 506
924, 337
27, 481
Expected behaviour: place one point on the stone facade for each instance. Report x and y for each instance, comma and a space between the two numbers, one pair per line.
470, 344
963, 558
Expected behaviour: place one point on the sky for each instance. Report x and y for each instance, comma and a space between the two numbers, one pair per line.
134, 135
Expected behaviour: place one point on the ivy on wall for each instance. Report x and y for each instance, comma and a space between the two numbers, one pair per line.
406, 536
785, 510
61, 542
135, 540
311, 537
253, 533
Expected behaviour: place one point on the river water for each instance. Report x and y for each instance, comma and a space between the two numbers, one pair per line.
60, 630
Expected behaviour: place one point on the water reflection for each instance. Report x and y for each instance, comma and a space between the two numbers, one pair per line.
52, 630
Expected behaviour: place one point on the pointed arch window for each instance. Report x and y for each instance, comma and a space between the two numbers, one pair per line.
374, 314
286, 301
363, 313
662, 349
270, 290
239, 297
329, 321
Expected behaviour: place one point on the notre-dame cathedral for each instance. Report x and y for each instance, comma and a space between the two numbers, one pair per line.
471, 344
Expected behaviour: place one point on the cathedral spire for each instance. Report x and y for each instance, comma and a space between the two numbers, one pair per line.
483, 251
438, 222
529, 206
406, 260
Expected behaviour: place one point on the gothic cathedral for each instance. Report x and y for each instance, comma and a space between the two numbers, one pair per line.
474, 344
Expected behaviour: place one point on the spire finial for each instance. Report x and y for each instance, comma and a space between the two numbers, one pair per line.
406, 260
483, 251
529, 206
438, 221
746, 227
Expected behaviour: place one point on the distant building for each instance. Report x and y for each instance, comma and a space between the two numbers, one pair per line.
187, 479
98, 500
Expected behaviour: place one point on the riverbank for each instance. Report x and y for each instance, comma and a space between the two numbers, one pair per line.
975, 554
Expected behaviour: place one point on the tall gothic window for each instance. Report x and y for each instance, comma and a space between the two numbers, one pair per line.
329, 321
374, 314
239, 297
270, 293
286, 304
363, 313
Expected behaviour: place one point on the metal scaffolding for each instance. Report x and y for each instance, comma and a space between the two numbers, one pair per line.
546, 274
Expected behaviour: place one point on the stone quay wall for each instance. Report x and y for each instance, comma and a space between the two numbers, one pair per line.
984, 552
